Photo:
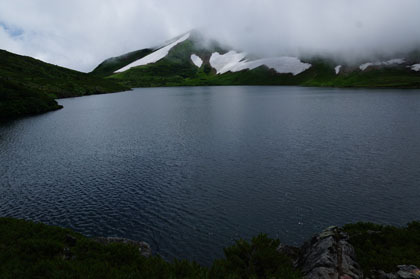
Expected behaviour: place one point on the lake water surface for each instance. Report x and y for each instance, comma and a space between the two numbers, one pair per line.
189, 170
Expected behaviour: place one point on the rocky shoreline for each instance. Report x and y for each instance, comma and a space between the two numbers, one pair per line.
328, 255
354, 251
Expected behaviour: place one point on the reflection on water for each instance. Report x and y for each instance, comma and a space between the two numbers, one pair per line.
191, 169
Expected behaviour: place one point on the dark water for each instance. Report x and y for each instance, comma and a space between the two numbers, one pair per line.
191, 169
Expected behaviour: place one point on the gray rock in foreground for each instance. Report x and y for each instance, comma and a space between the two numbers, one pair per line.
143, 247
329, 255
404, 272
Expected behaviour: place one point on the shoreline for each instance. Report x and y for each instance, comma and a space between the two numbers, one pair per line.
336, 252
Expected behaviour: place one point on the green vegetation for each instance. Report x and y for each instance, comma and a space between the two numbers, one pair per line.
257, 259
110, 65
176, 69
385, 247
170, 71
16, 100
29, 86
34, 250
389, 77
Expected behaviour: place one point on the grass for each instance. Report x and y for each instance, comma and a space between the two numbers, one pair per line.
173, 70
113, 64
29, 86
35, 250
16, 100
385, 247
255, 259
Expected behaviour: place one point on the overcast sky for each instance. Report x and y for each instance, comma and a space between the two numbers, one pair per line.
81, 33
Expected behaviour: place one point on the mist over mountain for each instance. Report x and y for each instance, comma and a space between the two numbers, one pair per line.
80, 34
193, 59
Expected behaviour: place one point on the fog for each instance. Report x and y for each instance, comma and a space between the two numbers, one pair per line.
80, 34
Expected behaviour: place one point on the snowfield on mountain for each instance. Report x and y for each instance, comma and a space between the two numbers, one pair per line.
415, 67
385, 63
235, 62
154, 56
337, 69
194, 59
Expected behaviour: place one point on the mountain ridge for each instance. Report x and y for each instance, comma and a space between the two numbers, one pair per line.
222, 65
30, 86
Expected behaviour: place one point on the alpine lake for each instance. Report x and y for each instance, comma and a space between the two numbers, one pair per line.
191, 169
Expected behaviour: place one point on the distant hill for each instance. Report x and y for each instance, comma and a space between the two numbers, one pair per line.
192, 59
29, 86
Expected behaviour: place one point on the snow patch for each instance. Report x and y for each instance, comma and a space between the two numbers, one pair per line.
394, 61
415, 67
234, 62
154, 56
225, 62
337, 69
281, 65
366, 65
196, 60
382, 63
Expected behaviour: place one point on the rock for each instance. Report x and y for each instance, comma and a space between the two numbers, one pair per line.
404, 272
143, 247
408, 272
329, 255
330, 231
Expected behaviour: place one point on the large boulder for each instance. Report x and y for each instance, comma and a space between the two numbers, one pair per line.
404, 272
329, 255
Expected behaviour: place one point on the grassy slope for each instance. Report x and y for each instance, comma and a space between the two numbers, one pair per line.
385, 247
109, 66
29, 86
177, 70
172, 70
394, 76
17, 100
34, 250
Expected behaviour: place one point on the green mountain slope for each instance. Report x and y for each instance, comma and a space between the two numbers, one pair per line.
172, 70
177, 69
17, 100
112, 64
29, 86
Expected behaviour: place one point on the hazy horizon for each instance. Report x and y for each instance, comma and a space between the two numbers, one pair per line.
80, 34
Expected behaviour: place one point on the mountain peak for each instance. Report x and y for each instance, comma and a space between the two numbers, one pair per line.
193, 58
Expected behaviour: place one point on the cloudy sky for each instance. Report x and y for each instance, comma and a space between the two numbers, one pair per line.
81, 33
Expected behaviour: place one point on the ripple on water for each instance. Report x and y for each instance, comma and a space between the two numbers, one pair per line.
192, 169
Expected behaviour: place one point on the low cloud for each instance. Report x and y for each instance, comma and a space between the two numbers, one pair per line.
80, 34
